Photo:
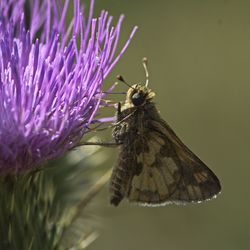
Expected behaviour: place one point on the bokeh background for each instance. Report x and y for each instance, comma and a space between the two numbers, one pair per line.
199, 62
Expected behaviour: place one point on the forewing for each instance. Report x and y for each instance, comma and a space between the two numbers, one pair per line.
159, 176
170, 171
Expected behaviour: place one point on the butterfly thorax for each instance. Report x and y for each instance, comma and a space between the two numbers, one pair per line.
134, 113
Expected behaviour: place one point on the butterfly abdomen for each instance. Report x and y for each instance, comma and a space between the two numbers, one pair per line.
117, 185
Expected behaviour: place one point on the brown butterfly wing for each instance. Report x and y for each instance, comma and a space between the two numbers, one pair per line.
155, 167
197, 182
160, 175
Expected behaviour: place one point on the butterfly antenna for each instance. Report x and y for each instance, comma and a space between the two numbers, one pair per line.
145, 66
120, 78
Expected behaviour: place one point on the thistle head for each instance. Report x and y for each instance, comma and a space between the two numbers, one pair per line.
51, 77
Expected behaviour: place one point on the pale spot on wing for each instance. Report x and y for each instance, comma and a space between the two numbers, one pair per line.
149, 186
198, 192
152, 184
204, 174
166, 172
148, 158
191, 192
154, 147
136, 183
160, 183
145, 191
201, 176
157, 138
134, 193
168, 162
171, 165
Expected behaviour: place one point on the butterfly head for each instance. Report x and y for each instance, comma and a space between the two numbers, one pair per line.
139, 95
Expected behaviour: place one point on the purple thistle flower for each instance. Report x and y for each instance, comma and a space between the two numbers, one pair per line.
50, 87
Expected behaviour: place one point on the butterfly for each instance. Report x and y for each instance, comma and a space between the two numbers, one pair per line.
154, 166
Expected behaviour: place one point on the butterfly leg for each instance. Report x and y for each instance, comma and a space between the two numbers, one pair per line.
119, 107
118, 122
103, 144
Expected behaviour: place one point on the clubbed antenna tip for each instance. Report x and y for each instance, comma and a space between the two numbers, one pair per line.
120, 78
145, 60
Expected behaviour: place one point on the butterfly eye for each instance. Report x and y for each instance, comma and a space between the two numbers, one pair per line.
138, 98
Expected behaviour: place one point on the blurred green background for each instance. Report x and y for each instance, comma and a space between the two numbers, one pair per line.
199, 62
